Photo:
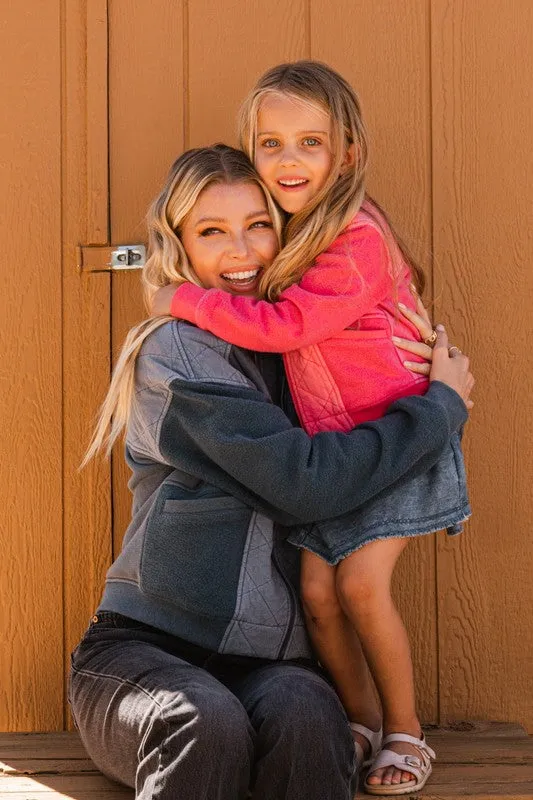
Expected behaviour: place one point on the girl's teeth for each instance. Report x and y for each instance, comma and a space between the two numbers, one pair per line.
240, 276
293, 183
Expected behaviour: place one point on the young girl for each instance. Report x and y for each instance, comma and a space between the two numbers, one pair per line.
334, 293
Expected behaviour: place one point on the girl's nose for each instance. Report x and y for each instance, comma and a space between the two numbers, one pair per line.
288, 156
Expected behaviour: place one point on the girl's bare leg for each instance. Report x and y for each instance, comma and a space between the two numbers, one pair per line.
337, 645
364, 591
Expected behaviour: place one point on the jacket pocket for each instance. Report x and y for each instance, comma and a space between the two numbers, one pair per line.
192, 552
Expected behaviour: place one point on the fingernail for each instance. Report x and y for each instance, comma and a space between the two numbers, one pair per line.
395, 339
439, 327
408, 364
402, 306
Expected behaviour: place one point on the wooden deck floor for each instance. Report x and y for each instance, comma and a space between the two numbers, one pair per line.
475, 760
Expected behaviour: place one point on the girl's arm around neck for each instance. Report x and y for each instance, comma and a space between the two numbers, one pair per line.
345, 282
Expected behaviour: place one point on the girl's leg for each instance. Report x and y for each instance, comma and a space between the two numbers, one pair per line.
364, 591
337, 645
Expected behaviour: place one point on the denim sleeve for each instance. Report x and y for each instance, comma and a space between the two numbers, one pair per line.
232, 437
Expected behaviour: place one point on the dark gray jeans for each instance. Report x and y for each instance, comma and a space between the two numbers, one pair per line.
176, 722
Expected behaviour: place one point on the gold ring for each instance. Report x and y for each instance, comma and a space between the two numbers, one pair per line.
431, 339
454, 349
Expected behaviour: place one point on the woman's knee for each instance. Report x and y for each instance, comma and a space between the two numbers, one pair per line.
212, 720
303, 706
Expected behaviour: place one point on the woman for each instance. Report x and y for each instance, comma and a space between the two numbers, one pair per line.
195, 678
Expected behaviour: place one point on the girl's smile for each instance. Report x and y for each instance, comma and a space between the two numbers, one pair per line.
293, 150
229, 238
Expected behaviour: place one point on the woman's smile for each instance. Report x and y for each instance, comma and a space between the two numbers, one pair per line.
229, 237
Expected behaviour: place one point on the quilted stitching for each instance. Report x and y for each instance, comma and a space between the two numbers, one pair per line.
317, 397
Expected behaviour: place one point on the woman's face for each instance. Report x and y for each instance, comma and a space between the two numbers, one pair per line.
229, 237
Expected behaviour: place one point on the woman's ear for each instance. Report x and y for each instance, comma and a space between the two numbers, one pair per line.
349, 159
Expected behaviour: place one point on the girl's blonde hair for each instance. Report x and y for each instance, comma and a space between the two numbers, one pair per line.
309, 232
167, 263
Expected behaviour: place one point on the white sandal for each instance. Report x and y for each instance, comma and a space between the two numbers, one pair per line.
374, 739
419, 767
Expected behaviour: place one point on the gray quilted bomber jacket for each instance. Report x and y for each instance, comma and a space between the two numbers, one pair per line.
219, 472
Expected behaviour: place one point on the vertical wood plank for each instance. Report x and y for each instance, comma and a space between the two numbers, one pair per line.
86, 311
382, 48
483, 185
230, 44
146, 134
31, 668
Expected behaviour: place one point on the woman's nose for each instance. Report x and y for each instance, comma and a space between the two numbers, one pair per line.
240, 246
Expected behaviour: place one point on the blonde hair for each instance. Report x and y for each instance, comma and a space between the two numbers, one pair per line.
310, 231
167, 263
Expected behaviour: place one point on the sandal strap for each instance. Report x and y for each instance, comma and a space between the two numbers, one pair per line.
421, 743
374, 738
406, 763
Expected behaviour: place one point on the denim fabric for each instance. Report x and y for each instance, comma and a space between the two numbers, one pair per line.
174, 721
430, 502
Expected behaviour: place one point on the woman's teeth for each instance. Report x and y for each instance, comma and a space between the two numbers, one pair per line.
249, 275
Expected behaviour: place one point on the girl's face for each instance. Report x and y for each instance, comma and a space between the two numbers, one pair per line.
293, 151
229, 237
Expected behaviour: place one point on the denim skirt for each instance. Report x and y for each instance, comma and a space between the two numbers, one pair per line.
434, 501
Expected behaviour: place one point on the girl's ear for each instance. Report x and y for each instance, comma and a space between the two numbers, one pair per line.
349, 159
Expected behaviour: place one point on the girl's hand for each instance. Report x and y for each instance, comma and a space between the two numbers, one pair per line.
451, 367
162, 299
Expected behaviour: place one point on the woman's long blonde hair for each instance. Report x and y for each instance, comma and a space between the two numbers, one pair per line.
309, 232
167, 263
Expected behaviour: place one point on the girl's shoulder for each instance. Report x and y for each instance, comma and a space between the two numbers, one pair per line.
368, 217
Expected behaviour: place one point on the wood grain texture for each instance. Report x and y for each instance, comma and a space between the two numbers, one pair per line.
489, 761
146, 96
230, 43
381, 48
31, 682
86, 313
483, 184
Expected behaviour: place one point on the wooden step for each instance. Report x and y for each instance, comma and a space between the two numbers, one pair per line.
480, 761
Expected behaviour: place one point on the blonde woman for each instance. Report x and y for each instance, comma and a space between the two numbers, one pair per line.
195, 677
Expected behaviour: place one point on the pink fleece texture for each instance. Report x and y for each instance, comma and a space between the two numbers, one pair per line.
334, 328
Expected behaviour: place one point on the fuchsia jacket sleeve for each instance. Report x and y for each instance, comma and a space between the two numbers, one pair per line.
344, 283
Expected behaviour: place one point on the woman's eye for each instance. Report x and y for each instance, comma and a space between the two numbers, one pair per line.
261, 223
311, 141
210, 231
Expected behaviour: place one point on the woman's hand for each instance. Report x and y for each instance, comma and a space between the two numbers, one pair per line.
451, 367
420, 319
162, 299
457, 374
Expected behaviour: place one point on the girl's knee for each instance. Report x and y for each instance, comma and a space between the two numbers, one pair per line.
319, 599
359, 593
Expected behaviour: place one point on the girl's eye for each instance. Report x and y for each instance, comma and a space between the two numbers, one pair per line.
269, 143
210, 231
311, 141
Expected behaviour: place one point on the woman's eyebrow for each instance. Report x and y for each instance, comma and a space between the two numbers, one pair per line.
260, 213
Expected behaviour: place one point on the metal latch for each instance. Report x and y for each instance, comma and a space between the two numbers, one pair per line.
110, 258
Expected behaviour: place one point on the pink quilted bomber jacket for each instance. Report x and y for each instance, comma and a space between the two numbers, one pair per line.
334, 328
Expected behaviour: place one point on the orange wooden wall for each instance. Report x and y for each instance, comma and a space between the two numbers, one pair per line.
100, 96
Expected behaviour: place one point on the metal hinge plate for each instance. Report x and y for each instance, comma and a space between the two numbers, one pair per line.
111, 258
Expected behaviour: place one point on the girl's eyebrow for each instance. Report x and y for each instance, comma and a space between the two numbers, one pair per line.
201, 221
